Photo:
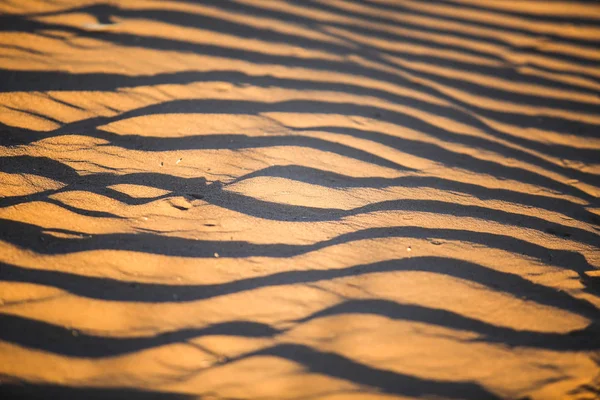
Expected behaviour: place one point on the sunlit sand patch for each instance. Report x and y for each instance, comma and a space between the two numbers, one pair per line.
41, 6
215, 165
42, 106
266, 376
88, 201
52, 216
139, 191
266, 305
152, 368
81, 56
12, 293
14, 117
182, 125
26, 184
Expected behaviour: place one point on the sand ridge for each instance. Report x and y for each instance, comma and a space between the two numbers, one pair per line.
250, 199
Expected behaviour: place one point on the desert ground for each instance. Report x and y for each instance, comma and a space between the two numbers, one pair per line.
269, 199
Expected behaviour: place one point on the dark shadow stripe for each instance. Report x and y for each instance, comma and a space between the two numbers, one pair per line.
56, 80
385, 10
215, 194
197, 187
531, 17
285, 212
305, 107
395, 79
337, 366
271, 36
579, 340
48, 337
15, 390
329, 179
116, 290
415, 147
171, 44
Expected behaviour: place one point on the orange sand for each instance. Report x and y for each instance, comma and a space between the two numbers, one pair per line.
300, 200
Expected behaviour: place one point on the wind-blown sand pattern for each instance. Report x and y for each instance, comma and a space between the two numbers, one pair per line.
242, 199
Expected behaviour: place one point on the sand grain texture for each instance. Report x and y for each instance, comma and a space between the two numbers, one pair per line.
244, 199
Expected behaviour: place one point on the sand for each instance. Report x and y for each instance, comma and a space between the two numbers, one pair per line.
369, 199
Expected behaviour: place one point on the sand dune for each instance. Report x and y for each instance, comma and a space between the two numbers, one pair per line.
367, 199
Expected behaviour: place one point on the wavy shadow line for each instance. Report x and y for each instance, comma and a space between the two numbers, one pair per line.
342, 108
13, 388
271, 36
536, 17
56, 81
253, 207
197, 187
250, 206
579, 340
116, 290
246, 107
286, 212
450, 158
421, 149
161, 43
441, 28
334, 180
337, 366
81, 124
105, 12
48, 337
53, 338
